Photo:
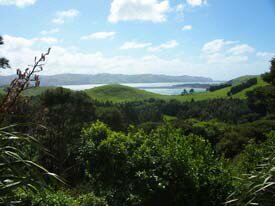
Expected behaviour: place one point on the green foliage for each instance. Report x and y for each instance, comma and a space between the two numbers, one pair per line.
219, 86
160, 168
262, 100
257, 187
17, 170
227, 139
96, 133
212, 131
270, 76
64, 113
58, 198
91, 200
51, 198
225, 110
112, 116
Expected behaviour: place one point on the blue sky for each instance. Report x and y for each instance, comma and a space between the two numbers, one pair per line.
221, 39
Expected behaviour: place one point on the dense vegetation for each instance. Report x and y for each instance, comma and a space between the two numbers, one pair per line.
146, 151
218, 87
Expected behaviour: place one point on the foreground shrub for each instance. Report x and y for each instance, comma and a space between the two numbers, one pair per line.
91, 200
17, 170
257, 187
163, 167
54, 199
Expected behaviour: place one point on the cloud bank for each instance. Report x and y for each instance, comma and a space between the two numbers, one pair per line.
143, 10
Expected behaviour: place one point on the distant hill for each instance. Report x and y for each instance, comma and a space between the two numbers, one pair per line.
81, 79
119, 93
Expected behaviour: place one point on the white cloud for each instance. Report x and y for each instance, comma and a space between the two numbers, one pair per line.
167, 45
99, 35
215, 45
241, 49
143, 10
20, 43
220, 58
266, 55
16, 43
51, 31
220, 65
18, 3
135, 45
47, 40
21, 52
195, 3
220, 51
61, 16
179, 8
187, 28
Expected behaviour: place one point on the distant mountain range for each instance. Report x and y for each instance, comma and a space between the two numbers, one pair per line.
81, 79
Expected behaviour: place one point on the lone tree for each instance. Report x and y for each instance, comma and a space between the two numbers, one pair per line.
184, 92
4, 63
191, 91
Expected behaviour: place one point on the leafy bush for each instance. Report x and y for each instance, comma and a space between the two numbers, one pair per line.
58, 198
163, 167
17, 170
64, 113
91, 200
262, 100
257, 186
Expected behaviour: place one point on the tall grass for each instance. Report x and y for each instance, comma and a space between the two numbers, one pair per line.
17, 170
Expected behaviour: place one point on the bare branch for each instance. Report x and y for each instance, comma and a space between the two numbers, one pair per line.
25, 80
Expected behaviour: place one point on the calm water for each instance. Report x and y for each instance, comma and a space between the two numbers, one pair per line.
159, 88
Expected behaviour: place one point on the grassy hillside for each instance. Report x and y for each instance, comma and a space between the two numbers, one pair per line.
119, 93
222, 93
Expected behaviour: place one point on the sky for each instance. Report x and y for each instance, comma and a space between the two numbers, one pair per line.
221, 39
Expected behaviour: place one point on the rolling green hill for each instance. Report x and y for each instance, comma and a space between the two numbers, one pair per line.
119, 93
